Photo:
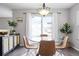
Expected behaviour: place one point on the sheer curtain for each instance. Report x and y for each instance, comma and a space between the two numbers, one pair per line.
55, 26
28, 25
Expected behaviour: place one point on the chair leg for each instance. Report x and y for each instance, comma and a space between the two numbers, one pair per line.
37, 54
28, 51
60, 51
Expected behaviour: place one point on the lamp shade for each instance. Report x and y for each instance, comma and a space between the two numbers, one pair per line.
44, 10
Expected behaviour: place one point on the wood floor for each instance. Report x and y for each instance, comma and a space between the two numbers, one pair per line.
21, 50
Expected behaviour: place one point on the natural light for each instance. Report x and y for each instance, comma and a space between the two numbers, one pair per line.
36, 27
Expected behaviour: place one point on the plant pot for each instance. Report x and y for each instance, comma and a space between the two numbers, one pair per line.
65, 34
12, 31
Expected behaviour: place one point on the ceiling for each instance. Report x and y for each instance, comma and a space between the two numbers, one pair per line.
36, 5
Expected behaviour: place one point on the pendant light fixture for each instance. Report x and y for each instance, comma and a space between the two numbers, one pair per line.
44, 10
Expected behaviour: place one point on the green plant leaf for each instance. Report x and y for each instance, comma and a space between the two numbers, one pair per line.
66, 28
12, 23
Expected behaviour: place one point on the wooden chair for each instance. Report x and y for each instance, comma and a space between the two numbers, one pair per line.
47, 48
27, 45
64, 45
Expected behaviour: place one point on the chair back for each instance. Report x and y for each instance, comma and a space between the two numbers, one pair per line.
65, 41
47, 48
25, 40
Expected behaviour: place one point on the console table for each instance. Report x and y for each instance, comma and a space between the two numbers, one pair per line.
8, 43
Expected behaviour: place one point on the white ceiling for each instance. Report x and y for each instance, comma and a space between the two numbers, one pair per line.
36, 5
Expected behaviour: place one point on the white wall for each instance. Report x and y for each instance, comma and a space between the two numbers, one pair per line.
5, 15
4, 23
55, 26
5, 12
74, 21
21, 27
62, 18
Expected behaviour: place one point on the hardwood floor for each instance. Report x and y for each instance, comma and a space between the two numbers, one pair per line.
21, 50
70, 52
17, 52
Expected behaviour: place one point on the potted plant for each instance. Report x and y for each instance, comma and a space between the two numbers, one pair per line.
66, 29
13, 24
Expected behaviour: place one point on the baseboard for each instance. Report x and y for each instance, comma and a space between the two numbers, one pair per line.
75, 48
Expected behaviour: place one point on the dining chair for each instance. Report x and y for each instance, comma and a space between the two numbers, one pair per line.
29, 46
65, 44
46, 48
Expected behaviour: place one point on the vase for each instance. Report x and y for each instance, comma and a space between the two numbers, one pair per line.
12, 31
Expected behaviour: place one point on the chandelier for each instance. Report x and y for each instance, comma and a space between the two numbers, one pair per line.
44, 10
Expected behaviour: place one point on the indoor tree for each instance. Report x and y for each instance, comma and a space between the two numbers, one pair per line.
66, 29
13, 24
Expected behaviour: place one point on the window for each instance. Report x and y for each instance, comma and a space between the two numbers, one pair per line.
39, 27
47, 26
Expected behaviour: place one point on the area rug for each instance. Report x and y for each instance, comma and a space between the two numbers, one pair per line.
33, 52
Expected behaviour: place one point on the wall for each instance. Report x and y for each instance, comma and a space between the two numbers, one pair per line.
74, 21
5, 15
4, 23
21, 27
5, 12
63, 16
